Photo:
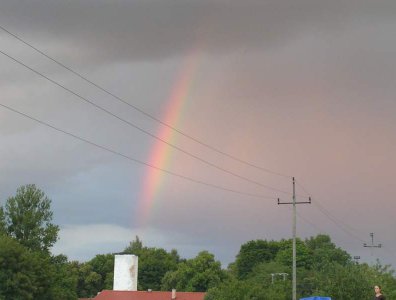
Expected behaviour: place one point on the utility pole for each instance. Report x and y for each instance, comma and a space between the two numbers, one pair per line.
294, 203
372, 244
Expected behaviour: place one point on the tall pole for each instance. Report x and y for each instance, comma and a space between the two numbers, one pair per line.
294, 241
294, 203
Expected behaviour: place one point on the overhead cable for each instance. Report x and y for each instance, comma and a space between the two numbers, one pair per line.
339, 223
142, 111
139, 128
132, 158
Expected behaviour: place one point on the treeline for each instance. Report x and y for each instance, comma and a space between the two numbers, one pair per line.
29, 271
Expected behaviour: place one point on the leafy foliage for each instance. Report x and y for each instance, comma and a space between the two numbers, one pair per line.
322, 269
19, 272
28, 217
2, 222
253, 253
154, 263
64, 279
195, 275
324, 252
29, 271
103, 264
303, 254
25, 274
88, 281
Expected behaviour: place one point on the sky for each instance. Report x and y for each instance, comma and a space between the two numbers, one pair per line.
200, 114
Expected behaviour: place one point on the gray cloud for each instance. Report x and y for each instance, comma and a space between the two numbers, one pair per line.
303, 88
145, 30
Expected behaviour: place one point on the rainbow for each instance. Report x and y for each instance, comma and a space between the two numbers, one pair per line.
160, 154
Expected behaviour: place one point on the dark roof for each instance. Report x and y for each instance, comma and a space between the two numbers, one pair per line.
146, 295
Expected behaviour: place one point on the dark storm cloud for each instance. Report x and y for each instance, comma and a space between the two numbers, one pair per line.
145, 30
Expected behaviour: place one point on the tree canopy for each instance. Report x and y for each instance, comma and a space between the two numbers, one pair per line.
195, 275
322, 269
153, 264
26, 274
261, 270
27, 218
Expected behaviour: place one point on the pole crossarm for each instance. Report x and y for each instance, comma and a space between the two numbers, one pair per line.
298, 202
372, 246
372, 242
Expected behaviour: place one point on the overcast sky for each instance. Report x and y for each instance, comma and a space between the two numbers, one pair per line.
301, 88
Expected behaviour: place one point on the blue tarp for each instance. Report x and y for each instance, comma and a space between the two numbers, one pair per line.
316, 298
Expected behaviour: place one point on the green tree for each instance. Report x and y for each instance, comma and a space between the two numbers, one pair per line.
27, 269
28, 217
64, 279
324, 252
323, 269
253, 253
303, 254
134, 247
89, 282
154, 263
103, 264
23, 274
248, 289
2, 221
235, 289
343, 282
195, 275
262, 273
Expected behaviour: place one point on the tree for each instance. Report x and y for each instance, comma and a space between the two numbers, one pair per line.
103, 264
23, 274
195, 275
2, 221
64, 279
235, 289
89, 282
285, 255
134, 247
154, 263
249, 289
28, 217
253, 253
324, 252
343, 282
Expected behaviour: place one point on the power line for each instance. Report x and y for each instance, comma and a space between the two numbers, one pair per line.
343, 226
134, 159
308, 222
319, 230
141, 110
141, 129
303, 188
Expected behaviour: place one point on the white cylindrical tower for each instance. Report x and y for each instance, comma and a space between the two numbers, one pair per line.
125, 272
